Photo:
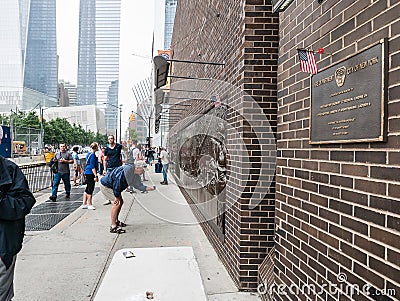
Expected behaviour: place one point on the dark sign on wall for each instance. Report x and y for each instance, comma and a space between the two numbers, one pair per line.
348, 99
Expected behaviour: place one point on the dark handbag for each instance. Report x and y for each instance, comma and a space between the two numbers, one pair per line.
158, 167
53, 165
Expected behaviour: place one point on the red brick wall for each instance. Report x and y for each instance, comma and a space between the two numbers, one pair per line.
245, 36
338, 205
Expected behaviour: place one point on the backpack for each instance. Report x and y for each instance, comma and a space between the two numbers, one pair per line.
53, 165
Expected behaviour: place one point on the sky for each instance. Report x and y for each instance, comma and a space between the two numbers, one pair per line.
138, 21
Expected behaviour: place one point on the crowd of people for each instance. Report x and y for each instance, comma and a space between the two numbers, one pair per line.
120, 166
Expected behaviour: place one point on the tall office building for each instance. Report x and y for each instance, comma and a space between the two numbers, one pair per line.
86, 86
41, 62
63, 98
98, 64
28, 54
108, 15
24, 6
170, 9
111, 110
11, 67
71, 89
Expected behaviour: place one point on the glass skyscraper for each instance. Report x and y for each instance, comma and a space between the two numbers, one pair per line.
23, 15
86, 86
41, 66
111, 111
108, 16
170, 10
28, 54
98, 64
11, 67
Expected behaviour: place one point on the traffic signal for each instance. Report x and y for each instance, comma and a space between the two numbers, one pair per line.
132, 117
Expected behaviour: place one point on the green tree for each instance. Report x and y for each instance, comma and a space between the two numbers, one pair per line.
31, 120
60, 130
101, 139
56, 130
132, 134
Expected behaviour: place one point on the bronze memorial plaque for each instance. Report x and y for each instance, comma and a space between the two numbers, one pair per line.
348, 99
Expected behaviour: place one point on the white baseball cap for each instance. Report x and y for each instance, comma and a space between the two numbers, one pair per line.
141, 164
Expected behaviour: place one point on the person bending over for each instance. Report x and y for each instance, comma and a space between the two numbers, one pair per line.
116, 181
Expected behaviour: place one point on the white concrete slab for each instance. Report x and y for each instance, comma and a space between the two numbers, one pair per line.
171, 273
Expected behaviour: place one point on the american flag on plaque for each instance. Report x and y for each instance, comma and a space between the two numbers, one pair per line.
307, 61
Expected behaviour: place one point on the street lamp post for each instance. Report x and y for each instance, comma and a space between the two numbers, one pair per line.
41, 129
120, 123
120, 119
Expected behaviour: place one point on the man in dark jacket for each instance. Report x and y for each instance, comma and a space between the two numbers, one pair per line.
16, 202
116, 181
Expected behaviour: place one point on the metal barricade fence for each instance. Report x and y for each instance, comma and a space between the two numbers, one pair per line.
39, 176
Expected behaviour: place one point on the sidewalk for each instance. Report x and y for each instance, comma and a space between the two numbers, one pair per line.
69, 261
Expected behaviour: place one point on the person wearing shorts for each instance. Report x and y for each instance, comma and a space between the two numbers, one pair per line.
116, 181
92, 164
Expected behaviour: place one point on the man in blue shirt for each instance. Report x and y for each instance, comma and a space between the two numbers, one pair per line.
116, 181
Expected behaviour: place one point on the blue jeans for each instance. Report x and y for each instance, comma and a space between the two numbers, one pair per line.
164, 172
57, 179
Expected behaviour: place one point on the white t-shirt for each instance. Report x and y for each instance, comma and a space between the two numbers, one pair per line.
134, 153
164, 157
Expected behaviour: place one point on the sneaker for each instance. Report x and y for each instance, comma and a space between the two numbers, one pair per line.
53, 198
163, 183
108, 202
67, 196
91, 207
84, 206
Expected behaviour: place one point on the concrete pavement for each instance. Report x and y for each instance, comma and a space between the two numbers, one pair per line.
69, 261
